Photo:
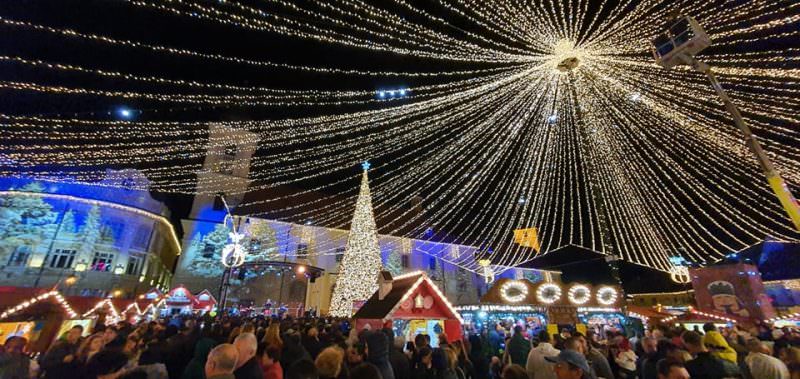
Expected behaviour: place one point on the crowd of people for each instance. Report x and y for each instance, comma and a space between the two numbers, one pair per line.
326, 348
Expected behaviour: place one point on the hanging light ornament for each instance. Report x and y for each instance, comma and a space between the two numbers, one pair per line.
233, 253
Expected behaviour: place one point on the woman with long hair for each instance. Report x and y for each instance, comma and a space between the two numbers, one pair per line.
90, 346
273, 336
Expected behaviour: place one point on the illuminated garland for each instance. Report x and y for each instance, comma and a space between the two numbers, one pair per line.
556, 144
27, 303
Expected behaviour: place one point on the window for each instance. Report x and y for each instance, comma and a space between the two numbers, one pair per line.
405, 261
102, 261
432, 263
302, 249
134, 265
20, 256
339, 254
112, 230
62, 258
141, 240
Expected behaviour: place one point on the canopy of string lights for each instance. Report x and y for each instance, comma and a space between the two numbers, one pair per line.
488, 116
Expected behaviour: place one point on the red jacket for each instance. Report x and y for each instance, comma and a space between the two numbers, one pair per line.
273, 372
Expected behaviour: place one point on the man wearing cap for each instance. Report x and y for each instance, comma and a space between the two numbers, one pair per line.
570, 364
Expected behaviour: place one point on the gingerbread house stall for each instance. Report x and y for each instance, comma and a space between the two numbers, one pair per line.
204, 302
178, 301
410, 304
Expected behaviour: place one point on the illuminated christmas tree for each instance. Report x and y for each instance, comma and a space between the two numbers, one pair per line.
358, 272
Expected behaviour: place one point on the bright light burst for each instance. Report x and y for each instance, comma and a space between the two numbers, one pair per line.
563, 107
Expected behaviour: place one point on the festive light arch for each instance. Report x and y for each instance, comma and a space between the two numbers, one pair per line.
557, 108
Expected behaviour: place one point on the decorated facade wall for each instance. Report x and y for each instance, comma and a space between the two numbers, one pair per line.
110, 238
273, 241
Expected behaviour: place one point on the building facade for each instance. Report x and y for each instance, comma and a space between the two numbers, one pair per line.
278, 253
112, 236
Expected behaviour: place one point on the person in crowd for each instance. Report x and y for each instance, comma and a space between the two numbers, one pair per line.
537, 367
378, 353
195, 366
624, 357
495, 339
14, 363
791, 357
477, 357
514, 371
717, 344
356, 355
273, 336
293, 351
464, 364
570, 364
597, 360
366, 371
247, 366
234, 333
671, 369
705, 365
647, 362
270, 359
60, 360
221, 362
90, 346
400, 362
329, 362
311, 342
452, 370
302, 369
519, 347
179, 351
562, 337
762, 365
106, 364
424, 368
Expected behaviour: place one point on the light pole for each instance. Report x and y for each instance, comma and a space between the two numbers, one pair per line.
678, 46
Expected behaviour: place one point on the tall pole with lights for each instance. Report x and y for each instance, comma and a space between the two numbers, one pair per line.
678, 46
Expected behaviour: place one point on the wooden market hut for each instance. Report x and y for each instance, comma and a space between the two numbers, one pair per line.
408, 297
46, 310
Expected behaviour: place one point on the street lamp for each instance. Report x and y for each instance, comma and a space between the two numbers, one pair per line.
684, 39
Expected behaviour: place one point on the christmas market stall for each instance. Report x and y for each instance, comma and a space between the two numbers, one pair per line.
33, 314
178, 301
547, 304
511, 301
696, 319
100, 310
204, 302
412, 304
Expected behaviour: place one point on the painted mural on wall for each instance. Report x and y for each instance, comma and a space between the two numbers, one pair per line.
69, 227
724, 299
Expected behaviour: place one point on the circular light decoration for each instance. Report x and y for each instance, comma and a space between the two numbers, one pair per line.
233, 254
579, 294
607, 295
513, 291
548, 293
680, 274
